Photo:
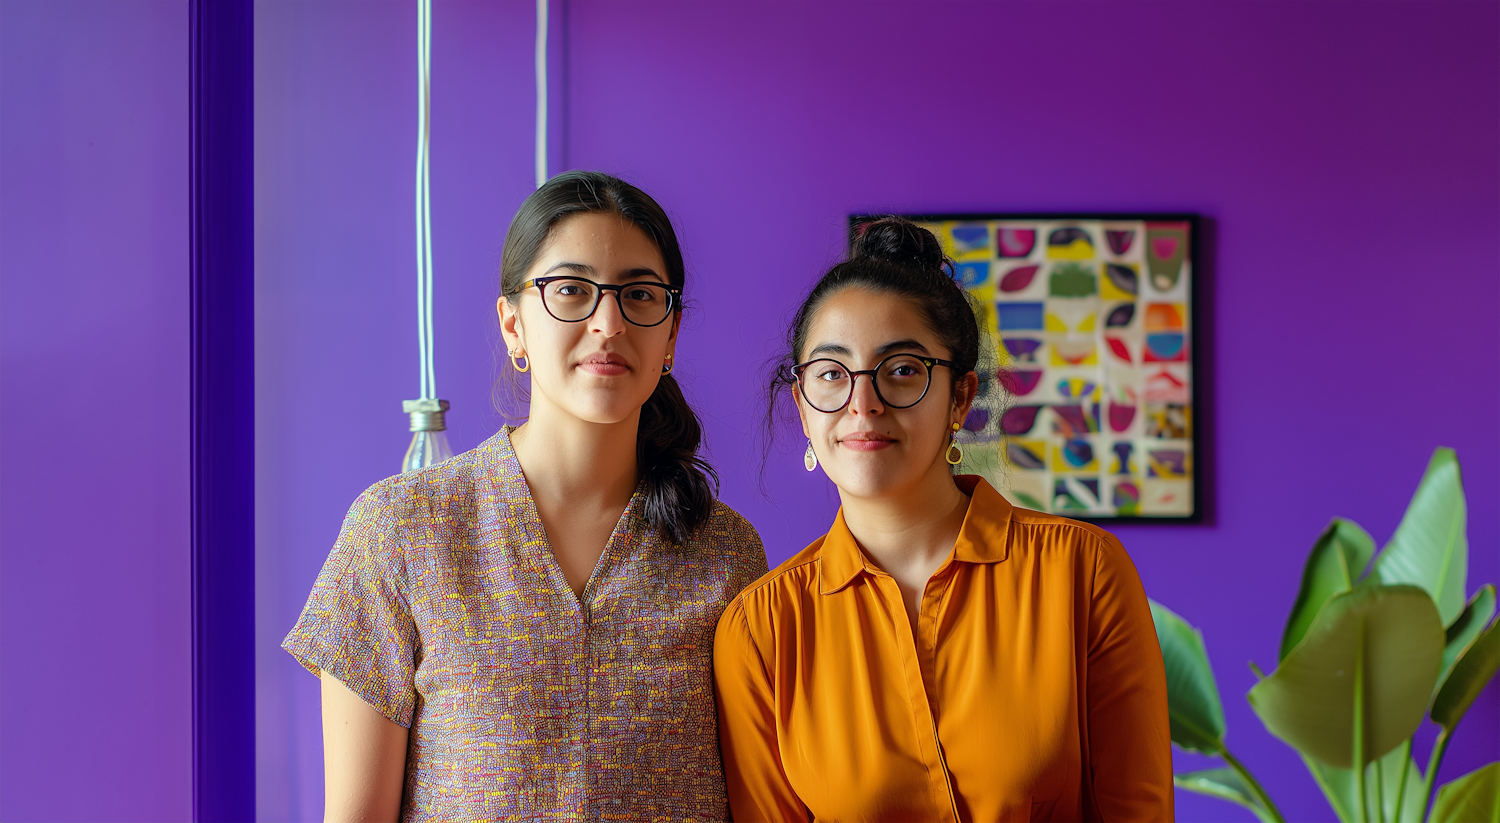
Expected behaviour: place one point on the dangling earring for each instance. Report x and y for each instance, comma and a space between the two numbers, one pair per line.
666, 368
955, 452
809, 459
522, 358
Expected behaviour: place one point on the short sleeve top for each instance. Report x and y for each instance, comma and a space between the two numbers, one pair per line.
1031, 689
443, 607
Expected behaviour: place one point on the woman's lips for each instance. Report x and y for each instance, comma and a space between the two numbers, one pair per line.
866, 441
604, 365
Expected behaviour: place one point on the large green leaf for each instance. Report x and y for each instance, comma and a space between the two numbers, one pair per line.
1382, 776
1376, 648
1333, 566
1193, 707
1473, 798
1469, 624
1473, 669
1430, 548
1224, 784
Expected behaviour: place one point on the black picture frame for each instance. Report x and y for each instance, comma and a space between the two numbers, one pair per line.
1197, 336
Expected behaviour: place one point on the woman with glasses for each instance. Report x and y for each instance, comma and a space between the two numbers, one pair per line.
938, 654
525, 631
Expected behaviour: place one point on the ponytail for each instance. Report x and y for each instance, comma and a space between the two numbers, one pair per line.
679, 498
680, 485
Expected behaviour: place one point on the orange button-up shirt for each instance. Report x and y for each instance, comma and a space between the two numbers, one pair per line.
1033, 688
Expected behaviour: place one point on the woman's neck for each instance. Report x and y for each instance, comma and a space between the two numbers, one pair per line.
912, 529
568, 459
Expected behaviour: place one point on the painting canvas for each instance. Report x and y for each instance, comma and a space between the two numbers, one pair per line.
1087, 404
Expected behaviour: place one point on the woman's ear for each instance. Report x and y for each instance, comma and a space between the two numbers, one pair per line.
801, 409
510, 325
964, 395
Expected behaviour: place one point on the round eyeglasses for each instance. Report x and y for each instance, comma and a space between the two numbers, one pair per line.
901, 381
575, 299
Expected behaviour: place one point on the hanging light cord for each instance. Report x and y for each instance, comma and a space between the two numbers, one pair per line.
424, 200
541, 92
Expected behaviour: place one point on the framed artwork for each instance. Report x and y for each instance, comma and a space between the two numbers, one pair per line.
1087, 397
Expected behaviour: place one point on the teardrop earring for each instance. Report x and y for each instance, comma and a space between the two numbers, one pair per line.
955, 452
666, 368
809, 459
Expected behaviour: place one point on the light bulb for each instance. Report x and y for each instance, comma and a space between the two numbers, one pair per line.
429, 440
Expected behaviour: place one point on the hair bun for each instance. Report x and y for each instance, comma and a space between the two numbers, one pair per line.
900, 241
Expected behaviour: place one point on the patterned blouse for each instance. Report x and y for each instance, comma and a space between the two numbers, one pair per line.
443, 607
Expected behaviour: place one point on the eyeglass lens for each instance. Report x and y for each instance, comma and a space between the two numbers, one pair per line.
572, 300
900, 382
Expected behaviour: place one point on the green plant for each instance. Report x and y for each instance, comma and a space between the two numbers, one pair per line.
1370, 649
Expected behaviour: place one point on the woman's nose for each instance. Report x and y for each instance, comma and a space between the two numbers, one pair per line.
608, 319
865, 399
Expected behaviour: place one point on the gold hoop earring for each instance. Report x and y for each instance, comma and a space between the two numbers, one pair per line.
522, 358
809, 458
666, 368
955, 453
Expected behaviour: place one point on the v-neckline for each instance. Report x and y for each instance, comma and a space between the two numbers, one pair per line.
548, 559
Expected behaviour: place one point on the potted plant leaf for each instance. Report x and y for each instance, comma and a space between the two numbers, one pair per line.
1373, 645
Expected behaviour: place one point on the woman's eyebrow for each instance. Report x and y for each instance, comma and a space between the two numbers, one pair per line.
580, 268
901, 345
830, 348
629, 275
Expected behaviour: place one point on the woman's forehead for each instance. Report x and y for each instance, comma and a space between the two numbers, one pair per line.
865, 322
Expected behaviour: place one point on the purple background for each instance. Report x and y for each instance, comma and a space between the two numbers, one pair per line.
95, 677
1345, 155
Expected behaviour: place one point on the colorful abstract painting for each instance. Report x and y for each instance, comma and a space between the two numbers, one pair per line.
1086, 403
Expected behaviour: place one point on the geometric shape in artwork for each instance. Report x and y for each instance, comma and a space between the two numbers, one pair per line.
1072, 280
1122, 458
1119, 240
1017, 279
1021, 349
1166, 249
1120, 316
1118, 347
1163, 317
1167, 463
1166, 385
1020, 316
1076, 388
1015, 242
1067, 315
971, 275
1073, 353
1075, 494
971, 238
1165, 347
1021, 382
1071, 421
1121, 416
1069, 244
1019, 419
1025, 455
1126, 498
1122, 278
1169, 421
1077, 455
1160, 497
976, 420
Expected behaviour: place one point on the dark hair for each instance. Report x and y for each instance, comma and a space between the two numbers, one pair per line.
891, 255
679, 498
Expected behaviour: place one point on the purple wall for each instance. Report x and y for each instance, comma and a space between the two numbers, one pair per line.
95, 679
1343, 153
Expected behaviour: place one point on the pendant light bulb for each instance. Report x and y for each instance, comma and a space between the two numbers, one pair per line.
429, 438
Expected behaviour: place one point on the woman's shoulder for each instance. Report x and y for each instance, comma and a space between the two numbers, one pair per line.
435, 492
728, 535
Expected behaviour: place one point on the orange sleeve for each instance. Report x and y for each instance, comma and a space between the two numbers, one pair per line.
758, 786
1129, 739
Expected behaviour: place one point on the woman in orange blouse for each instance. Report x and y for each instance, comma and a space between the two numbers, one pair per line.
939, 654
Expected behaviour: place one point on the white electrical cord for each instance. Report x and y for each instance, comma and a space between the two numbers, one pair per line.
424, 201
541, 92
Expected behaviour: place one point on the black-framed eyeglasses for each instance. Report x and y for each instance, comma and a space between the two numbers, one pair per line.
575, 299
901, 381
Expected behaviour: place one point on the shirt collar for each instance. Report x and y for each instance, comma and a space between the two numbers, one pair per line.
983, 537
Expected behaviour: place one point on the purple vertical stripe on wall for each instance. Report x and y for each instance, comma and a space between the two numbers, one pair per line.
223, 414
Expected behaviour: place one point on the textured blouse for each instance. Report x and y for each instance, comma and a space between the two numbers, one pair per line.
443, 607
1032, 688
